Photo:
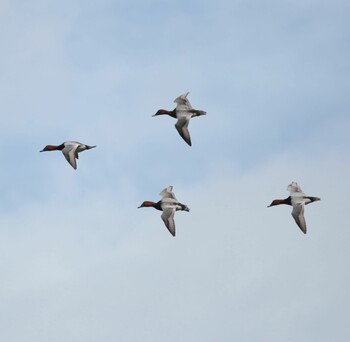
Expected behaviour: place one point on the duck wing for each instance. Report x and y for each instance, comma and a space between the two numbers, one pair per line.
182, 100
182, 128
168, 219
168, 193
298, 215
71, 154
294, 188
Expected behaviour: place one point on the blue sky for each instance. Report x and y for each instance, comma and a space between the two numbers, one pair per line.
81, 263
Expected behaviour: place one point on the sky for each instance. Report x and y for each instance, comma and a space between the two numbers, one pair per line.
80, 262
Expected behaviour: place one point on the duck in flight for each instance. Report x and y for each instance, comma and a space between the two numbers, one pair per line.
298, 200
183, 113
169, 205
70, 150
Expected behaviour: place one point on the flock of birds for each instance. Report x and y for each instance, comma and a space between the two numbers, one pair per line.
169, 203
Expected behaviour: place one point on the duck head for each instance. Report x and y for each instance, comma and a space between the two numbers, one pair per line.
166, 112
280, 201
52, 148
147, 204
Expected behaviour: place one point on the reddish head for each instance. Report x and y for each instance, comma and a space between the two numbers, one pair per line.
281, 201
52, 148
151, 204
147, 204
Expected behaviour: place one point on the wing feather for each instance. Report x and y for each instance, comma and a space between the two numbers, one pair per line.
70, 152
182, 100
298, 215
168, 219
182, 128
294, 188
168, 193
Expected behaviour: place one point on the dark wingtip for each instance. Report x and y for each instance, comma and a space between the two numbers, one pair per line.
304, 231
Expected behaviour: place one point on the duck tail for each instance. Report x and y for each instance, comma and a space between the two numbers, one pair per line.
197, 112
314, 199
184, 207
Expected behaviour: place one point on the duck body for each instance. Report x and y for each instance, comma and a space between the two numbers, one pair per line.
183, 113
168, 205
70, 150
297, 200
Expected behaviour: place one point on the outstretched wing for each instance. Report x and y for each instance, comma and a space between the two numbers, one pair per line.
298, 215
168, 193
182, 128
294, 188
71, 154
182, 100
168, 219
